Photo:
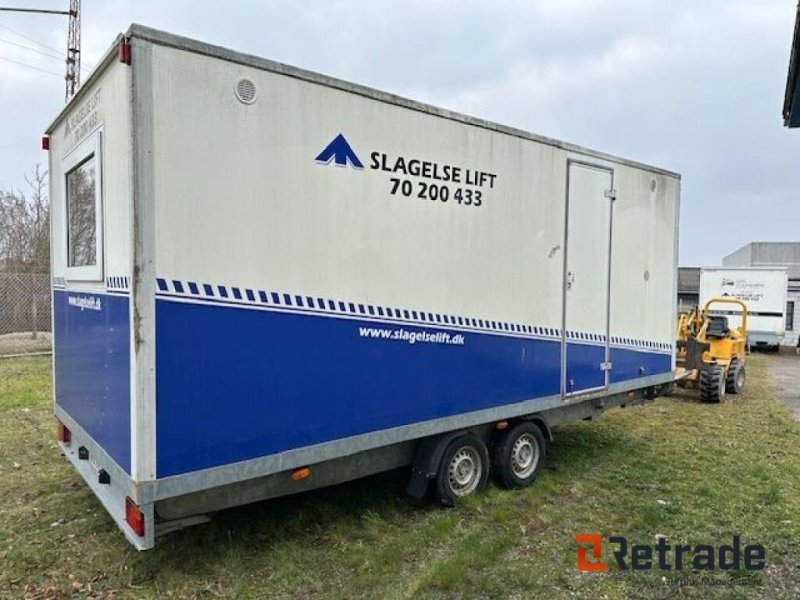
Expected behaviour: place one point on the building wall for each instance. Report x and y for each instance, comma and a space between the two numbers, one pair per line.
775, 254
767, 254
687, 302
741, 258
793, 320
688, 288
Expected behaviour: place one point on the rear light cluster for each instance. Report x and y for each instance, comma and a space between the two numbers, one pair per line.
64, 434
125, 52
135, 517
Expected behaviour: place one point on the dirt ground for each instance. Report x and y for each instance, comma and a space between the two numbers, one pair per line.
784, 368
24, 343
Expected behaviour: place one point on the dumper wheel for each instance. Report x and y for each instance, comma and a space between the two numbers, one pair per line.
712, 384
518, 455
736, 376
464, 469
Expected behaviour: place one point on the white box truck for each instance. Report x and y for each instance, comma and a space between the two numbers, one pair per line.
762, 289
266, 280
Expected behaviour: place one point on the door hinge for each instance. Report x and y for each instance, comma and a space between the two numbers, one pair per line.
606, 366
611, 194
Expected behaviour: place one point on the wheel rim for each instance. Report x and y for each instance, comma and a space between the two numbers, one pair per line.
524, 456
740, 379
465, 471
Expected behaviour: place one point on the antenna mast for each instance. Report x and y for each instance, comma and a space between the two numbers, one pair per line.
73, 76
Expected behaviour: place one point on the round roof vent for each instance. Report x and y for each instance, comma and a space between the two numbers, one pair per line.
245, 91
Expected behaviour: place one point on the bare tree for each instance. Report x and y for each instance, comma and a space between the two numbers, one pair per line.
25, 235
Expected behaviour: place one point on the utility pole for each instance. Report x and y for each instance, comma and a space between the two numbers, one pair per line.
73, 76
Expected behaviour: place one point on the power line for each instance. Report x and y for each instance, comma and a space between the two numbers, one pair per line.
30, 39
22, 64
32, 49
58, 53
73, 77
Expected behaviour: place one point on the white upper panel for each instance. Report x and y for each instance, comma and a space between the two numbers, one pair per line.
643, 255
98, 122
240, 198
763, 290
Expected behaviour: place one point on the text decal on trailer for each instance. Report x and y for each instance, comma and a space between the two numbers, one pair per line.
441, 182
85, 302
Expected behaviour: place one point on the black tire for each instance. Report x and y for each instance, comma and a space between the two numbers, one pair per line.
518, 455
712, 384
463, 470
734, 383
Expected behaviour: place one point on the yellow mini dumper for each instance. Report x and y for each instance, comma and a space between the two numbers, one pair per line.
711, 353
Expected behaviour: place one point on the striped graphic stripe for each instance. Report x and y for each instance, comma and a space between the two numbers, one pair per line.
232, 295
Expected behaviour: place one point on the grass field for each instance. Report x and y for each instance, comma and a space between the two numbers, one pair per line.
695, 473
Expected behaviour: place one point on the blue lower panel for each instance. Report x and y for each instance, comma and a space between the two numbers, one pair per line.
630, 364
92, 367
234, 384
583, 367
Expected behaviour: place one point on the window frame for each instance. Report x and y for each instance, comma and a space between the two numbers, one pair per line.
88, 148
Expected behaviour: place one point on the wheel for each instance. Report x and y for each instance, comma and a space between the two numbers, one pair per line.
463, 470
518, 455
736, 376
712, 384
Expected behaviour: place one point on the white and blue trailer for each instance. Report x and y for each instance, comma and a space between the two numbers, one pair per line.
763, 289
266, 280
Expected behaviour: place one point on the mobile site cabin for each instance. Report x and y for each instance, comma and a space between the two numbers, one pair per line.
762, 289
266, 280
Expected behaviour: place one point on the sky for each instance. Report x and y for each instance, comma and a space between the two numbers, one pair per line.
692, 86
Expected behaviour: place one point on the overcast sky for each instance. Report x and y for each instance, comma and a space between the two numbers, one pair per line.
693, 86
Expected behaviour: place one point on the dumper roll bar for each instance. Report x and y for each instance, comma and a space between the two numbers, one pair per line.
729, 301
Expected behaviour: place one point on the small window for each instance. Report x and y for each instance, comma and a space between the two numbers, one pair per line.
790, 315
83, 216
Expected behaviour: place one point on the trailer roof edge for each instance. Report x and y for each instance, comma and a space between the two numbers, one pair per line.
183, 43
164, 38
108, 57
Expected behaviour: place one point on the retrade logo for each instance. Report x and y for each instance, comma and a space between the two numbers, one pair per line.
597, 552
641, 557
340, 152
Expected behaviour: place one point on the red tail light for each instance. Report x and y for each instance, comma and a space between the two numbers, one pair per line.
45, 143
135, 517
64, 434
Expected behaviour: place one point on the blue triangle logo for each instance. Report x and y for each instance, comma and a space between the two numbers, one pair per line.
340, 152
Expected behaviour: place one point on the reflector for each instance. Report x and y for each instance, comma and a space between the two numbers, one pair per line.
64, 434
135, 517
